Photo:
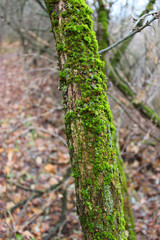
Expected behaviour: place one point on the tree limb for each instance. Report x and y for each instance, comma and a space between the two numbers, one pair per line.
131, 34
41, 5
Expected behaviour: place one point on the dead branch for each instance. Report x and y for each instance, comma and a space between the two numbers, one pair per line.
62, 220
54, 187
131, 118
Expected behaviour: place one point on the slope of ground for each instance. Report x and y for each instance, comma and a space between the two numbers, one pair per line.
36, 188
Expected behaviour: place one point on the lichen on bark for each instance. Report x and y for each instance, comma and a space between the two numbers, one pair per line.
89, 123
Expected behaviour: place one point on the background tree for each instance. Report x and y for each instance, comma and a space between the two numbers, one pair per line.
113, 72
103, 42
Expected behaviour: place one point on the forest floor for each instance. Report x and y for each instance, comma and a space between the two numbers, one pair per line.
37, 193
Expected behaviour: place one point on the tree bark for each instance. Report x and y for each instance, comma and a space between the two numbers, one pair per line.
89, 123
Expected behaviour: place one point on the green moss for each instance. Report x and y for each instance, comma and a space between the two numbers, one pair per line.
148, 112
102, 32
123, 87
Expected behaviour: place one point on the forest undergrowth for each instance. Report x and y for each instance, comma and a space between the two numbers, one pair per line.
36, 187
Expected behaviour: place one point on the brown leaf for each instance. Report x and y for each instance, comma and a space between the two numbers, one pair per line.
45, 227
53, 181
28, 235
50, 168
1, 150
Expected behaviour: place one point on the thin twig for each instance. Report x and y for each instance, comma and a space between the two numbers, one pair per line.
23, 209
62, 220
131, 34
23, 187
45, 131
42, 69
130, 117
54, 187
35, 215
142, 17
52, 134
41, 5
34, 36
30, 198
31, 119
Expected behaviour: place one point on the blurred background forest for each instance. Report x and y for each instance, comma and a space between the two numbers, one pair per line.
37, 195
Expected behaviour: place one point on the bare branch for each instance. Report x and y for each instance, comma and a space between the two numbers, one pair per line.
131, 33
53, 187
41, 5
131, 117
144, 16
34, 36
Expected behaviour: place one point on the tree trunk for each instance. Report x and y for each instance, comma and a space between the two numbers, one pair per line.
89, 124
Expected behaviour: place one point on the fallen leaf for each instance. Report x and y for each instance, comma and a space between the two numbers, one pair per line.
39, 161
10, 152
53, 181
45, 227
1, 150
3, 188
17, 197
7, 170
50, 168
9, 205
28, 235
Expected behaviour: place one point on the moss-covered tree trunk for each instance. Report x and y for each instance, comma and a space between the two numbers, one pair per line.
89, 124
